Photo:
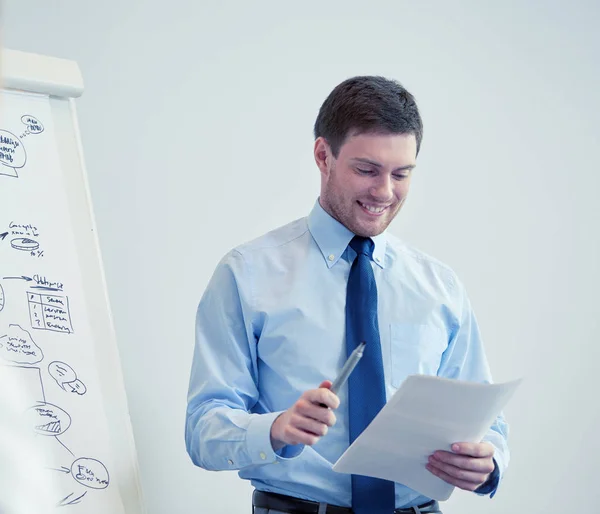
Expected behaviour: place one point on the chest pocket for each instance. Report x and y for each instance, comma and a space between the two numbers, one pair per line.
415, 349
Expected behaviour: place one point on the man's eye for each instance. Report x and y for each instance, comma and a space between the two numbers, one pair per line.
400, 177
364, 172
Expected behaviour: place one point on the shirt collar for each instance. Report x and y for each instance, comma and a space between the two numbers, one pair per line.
333, 238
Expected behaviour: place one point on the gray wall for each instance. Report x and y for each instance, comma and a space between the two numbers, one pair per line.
196, 124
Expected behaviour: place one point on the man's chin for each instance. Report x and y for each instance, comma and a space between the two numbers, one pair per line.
370, 230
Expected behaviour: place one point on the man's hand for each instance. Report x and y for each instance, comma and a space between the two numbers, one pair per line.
467, 466
306, 421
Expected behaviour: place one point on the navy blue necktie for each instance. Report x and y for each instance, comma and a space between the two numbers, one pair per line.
366, 385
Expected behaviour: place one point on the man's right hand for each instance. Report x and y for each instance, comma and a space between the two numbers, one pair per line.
307, 420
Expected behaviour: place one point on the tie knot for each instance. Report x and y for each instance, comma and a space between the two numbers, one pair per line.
362, 245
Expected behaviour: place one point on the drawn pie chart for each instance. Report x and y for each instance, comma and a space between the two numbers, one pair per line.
25, 244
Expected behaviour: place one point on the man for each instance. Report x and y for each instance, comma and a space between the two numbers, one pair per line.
281, 314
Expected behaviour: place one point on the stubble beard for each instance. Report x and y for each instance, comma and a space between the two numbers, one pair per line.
342, 209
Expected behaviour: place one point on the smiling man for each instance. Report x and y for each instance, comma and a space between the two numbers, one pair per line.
282, 313
365, 185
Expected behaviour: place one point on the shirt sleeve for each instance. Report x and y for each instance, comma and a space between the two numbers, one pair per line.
221, 432
465, 359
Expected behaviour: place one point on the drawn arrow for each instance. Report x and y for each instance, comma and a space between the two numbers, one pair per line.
74, 501
62, 469
22, 277
2, 236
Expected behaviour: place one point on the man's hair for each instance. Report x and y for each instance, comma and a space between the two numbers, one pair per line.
367, 104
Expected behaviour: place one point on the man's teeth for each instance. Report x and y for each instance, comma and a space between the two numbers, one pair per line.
376, 210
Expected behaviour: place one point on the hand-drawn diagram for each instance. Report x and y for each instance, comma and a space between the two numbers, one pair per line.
24, 237
31, 388
53, 400
87, 472
18, 346
21, 355
67, 500
66, 378
50, 422
49, 312
48, 419
41, 282
24, 243
34, 126
90, 472
12, 154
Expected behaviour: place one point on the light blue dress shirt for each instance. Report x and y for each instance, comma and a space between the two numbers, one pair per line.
270, 325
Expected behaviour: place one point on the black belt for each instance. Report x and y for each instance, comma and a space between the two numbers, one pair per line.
294, 505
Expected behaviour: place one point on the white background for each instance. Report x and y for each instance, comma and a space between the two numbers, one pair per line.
197, 131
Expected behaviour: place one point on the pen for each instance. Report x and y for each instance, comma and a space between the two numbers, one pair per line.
348, 367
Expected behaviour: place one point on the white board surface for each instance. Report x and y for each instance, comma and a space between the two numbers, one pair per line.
56, 335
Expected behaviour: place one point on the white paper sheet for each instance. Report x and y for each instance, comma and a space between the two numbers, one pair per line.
426, 414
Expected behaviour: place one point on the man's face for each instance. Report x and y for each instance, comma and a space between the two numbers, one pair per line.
367, 184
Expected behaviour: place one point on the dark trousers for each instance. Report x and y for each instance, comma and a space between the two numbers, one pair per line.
271, 503
260, 510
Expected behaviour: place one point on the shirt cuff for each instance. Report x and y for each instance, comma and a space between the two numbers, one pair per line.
490, 486
258, 441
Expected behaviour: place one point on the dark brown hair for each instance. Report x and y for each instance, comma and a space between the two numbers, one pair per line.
367, 104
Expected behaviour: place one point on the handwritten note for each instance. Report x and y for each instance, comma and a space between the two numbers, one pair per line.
46, 344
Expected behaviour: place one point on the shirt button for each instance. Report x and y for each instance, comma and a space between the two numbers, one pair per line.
331, 257
230, 462
263, 456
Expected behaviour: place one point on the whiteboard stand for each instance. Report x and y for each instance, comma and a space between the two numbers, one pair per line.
62, 81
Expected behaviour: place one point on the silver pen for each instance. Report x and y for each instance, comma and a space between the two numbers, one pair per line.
348, 367
351, 363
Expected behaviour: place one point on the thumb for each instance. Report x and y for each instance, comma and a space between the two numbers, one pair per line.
326, 384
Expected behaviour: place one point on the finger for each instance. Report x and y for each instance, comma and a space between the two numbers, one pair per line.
457, 473
462, 484
322, 396
482, 465
326, 384
482, 449
309, 425
293, 435
316, 412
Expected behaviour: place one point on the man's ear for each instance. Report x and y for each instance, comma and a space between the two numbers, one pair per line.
323, 155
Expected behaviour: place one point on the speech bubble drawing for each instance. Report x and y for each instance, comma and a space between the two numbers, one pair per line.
66, 378
12, 153
90, 473
76, 387
33, 124
2, 298
62, 373
47, 419
18, 346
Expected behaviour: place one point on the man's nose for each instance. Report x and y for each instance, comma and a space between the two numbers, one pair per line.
383, 188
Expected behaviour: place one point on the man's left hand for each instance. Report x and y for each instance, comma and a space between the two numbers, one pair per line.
467, 466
